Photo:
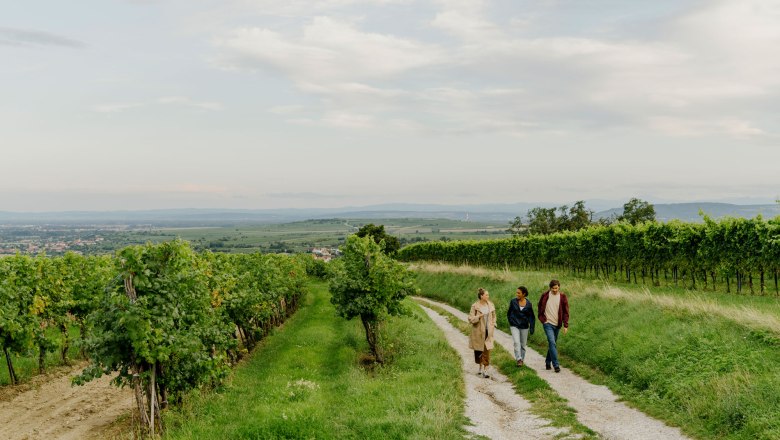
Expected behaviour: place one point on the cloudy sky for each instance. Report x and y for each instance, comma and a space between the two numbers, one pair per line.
139, 104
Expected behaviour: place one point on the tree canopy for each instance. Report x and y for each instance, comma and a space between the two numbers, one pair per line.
637, 211
550, 220
392, 244
367, 283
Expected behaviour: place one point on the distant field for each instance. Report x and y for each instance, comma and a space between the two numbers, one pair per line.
300, 236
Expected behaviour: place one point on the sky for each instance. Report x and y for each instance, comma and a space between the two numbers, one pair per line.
257, 104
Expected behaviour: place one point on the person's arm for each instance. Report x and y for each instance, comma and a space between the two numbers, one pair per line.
474, 316
509, 313
565, 306
533, 318
493, 316
542, 302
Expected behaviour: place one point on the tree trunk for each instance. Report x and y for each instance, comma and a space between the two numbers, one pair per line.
83, 336
65, 343
762, 282
163, 403
11, 371
739, 283
140, 400
41, 359
371, 327
152, 403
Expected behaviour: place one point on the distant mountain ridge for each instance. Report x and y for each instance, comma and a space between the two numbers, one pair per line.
497, 213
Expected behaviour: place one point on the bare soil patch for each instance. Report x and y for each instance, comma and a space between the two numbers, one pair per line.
50, 408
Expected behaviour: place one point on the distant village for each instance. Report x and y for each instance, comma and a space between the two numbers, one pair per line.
37, 246
325, 254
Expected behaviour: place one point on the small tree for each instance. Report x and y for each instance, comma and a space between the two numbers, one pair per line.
637, 211
392, 243
367, 283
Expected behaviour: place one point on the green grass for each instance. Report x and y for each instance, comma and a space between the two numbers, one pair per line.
311, 379
545, 402
715, 377
26, 364
303, 235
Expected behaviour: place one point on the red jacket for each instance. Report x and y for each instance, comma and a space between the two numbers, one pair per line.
563, 310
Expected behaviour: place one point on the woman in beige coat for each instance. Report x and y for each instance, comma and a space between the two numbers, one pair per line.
482, 318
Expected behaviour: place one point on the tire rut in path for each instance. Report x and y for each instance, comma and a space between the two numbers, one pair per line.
597, 407
492, 405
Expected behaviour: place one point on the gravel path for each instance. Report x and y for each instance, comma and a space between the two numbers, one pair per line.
492, 404
597, 407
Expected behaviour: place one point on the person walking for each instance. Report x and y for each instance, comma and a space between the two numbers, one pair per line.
553, 314
520, 315
482, 318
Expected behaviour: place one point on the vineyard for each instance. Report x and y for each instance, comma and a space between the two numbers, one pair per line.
162, 317
732, 254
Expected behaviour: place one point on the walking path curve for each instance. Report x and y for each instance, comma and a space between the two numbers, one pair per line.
597, 407
492, 405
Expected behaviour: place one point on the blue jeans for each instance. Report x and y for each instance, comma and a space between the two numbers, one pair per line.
552, 348
520, 339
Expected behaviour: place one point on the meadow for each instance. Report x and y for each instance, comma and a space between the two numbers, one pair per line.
302, 236
311, 379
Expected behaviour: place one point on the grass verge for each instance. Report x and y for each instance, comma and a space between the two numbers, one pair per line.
311, 380
710, 375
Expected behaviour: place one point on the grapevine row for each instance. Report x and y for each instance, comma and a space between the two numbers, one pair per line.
165, 318
730, 252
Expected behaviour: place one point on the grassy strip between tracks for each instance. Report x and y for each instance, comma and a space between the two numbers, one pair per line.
715, 377
311, 379
545, 402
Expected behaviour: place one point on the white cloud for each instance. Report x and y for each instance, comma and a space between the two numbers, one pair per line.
32, 37
672, 83
115, 107
326, 51
181, 100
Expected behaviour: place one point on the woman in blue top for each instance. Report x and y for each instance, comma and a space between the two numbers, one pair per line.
521, 322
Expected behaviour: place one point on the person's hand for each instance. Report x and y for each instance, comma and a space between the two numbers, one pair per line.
565, 330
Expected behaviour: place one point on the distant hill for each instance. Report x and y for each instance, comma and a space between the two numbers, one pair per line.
493, 213
690, 211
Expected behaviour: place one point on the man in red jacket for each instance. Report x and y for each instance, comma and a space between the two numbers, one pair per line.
554, 314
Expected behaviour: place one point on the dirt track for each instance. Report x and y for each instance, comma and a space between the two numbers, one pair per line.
492, 405
597, 407
57, 410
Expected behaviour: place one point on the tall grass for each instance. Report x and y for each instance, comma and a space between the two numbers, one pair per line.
715, 376
312, 379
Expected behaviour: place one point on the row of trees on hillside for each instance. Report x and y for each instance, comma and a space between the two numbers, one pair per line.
565, 218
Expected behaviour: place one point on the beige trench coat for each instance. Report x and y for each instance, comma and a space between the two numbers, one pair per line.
477, 339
